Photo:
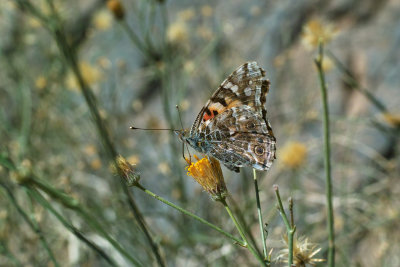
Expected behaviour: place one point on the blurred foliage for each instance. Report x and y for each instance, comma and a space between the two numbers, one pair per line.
76, 74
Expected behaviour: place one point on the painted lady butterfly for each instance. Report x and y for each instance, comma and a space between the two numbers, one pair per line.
233, 126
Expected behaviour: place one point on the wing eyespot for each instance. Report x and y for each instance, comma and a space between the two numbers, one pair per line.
259, 150
250, 125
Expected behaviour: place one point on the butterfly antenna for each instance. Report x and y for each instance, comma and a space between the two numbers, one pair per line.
152, 129
183, 143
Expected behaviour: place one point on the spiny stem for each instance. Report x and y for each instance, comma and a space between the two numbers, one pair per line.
327, 158
260, 220
289, 229
291, 212
186, 212
241, 232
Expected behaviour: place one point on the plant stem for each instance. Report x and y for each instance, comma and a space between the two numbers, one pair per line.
31, 224
74, 204
6, 252
241, 232
327, 151
354, 84
238, 241
134, 38
42, 201
260, 220
70, 56
290, 229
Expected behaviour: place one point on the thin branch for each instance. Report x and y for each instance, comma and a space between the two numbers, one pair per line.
260, 220
289, 229
327, 158
31, 224
188, 213
75, 231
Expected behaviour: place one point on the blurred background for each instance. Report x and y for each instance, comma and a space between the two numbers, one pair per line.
76, 74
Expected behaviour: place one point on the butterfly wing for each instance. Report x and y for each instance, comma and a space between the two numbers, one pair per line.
233, 122
244, 86
241, 137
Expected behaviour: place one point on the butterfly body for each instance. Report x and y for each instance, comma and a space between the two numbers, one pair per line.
233, 126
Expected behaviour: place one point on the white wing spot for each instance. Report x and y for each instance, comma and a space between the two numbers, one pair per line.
228, 85
235, 88
247, 91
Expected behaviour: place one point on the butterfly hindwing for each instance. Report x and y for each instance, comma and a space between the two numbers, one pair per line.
240, 137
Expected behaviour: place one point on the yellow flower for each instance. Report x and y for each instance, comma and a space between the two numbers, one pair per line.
207, 172
104, 62
137, 105
177, 32
189, 66
95, 164
134, 159
102, 20
207, 11
204, 32
41, 82
392, 119
315, 31
293, 154
127, 170
327, 64
303, 252
186, 14
90, 75
90, 150
164, 168
116, 8
184, 105
34, 22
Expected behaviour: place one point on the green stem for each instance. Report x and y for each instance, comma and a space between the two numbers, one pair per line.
31, 224
260, 220
70, 56
241, 232
73, 204
134, 38
42, 201
353, 83
290, 229
6, 252
327, 151
238, 241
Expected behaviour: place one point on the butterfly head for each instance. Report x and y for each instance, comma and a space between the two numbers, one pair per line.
185, 136
182, 134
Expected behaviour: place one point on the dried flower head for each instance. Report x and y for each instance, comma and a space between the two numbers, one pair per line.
315, 31
303, 252
127, 170
207, 172
116, 8
293, 154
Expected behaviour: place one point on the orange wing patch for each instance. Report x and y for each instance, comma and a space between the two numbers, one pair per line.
213, 110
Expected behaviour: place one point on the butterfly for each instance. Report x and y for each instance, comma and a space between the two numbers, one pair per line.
233, 126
